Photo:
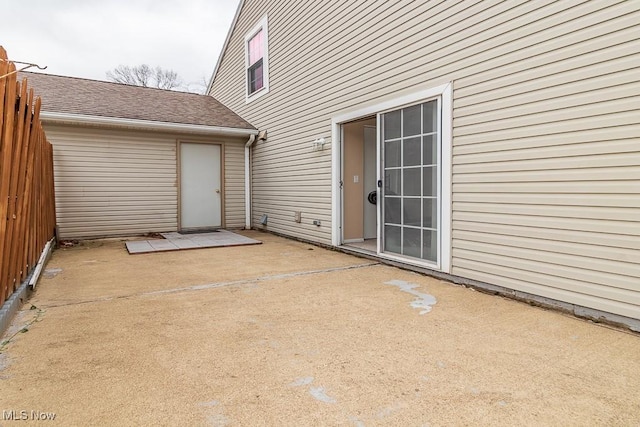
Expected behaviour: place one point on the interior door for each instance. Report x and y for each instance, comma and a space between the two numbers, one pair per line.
200, 186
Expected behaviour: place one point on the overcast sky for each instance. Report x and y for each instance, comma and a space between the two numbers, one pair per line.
87, 38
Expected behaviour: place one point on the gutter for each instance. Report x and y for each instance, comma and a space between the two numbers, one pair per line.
247, 182
66, 118
44, 256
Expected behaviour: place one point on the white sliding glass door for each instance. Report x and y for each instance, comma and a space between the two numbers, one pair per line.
411, 170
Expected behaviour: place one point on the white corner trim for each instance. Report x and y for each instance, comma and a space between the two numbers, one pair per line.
263, 24
446, 136
66, 118
224, 46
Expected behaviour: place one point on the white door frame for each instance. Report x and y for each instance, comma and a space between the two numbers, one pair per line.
445, 92
179, 178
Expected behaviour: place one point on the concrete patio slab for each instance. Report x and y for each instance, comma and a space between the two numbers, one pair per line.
162, 245
286, 333
185, 243
138, 247
175, 241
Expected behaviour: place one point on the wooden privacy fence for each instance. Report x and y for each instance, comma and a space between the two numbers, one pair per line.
27, 202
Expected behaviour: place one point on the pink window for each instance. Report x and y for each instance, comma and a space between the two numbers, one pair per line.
255, 72
255, 48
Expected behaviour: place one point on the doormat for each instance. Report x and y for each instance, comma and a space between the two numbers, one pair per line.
189, 232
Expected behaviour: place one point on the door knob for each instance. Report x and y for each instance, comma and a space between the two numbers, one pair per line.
218, 190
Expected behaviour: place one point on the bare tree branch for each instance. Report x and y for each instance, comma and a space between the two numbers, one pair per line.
142, 74
145, 76
122, 74
166, 79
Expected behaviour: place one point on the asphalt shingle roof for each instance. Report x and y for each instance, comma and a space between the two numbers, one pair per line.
106, 99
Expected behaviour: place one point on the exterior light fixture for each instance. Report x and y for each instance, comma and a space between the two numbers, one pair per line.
318, 144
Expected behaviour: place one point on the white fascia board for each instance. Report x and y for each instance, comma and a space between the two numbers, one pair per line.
225, 45
66, 118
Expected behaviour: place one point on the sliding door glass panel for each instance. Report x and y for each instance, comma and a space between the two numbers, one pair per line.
411, 179
430, 245
392, 125
393, 208
392, 154
429, 213
393, 182
430, 181
411, 149
430, 117
429, 150
411, 121
411, 242
392, 240
411, 214
411, 172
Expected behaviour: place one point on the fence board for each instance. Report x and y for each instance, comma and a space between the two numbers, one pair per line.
4, 69
6, 154
10, 242
24, 121
19, 270
27, 199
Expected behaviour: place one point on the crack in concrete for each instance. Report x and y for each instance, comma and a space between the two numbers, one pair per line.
218, 285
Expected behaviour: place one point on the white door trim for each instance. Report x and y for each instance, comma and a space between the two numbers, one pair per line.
445, 91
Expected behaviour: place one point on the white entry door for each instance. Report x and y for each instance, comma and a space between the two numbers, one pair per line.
200, 186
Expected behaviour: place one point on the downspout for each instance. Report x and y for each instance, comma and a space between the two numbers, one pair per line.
247, 182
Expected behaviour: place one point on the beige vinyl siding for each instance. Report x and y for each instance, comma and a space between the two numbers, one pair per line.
234, 183
119, 183
546, 159
113, 183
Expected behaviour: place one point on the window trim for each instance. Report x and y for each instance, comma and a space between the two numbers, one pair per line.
261, 25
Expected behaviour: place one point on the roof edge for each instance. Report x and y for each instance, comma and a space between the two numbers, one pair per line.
224, 46
69, 118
